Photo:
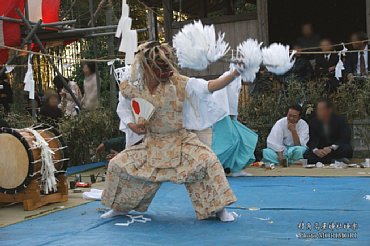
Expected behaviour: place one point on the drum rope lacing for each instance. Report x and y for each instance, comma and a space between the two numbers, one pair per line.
48, 180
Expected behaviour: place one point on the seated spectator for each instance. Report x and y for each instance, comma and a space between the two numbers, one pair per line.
113, 146
287, 139
330, 136
325, 65
309, 38
6, 93
302, 68
357, 63
50, 108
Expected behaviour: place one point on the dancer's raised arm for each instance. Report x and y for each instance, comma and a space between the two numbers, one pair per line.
221, 82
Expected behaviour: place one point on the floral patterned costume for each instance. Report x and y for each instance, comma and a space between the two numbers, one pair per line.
168, 153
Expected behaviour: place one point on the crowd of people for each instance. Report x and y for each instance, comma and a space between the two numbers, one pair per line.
323, 64
58, 103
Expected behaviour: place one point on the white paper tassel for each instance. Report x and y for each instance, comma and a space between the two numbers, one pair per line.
250, 55
276, 58
340, 66
129, 41
197, 46
29, 82
48, 180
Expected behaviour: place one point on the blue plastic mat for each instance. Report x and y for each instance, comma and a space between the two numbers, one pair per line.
85, 167
287, 206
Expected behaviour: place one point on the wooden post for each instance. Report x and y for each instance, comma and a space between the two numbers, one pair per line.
368, 17
262, 17
168, 17
204, 10
39, 85
91, 9
152, 25
33, 102
112, 84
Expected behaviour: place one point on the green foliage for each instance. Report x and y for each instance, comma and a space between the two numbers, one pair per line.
85, 132
20, 120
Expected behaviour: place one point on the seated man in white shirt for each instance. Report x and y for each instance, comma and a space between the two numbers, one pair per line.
287, 139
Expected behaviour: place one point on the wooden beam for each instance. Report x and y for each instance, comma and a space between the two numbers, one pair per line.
168, 17
262, 17
218, 20
52, 24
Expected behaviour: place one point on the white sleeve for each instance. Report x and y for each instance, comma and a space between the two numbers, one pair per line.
125, 114
276, 138
233, 91
197, 87
200, 109
303, 133
228, 97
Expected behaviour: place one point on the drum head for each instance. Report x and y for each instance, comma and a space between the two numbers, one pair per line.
14, 162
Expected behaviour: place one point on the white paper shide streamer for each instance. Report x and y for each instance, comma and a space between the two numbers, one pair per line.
340, 66
133, 219
197, 46
128, 37
48, 180
276, 58
29, 82
250, 57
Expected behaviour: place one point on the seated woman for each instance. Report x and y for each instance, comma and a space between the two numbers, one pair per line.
168, 151
67, 104
50, 109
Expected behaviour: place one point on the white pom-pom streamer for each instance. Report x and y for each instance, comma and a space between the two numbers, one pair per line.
276, 58
197, 46
250, 56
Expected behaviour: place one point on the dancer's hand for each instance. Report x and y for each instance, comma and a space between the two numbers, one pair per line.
137, 128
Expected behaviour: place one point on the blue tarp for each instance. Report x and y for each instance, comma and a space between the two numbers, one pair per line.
285, 203
85, 167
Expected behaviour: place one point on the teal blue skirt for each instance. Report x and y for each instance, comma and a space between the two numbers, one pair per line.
234, 144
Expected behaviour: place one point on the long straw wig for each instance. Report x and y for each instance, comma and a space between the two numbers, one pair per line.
148, 57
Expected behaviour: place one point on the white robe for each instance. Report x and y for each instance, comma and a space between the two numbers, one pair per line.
228, 97
280, 136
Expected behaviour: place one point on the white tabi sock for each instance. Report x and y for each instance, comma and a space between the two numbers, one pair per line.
226, 216
111, 213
